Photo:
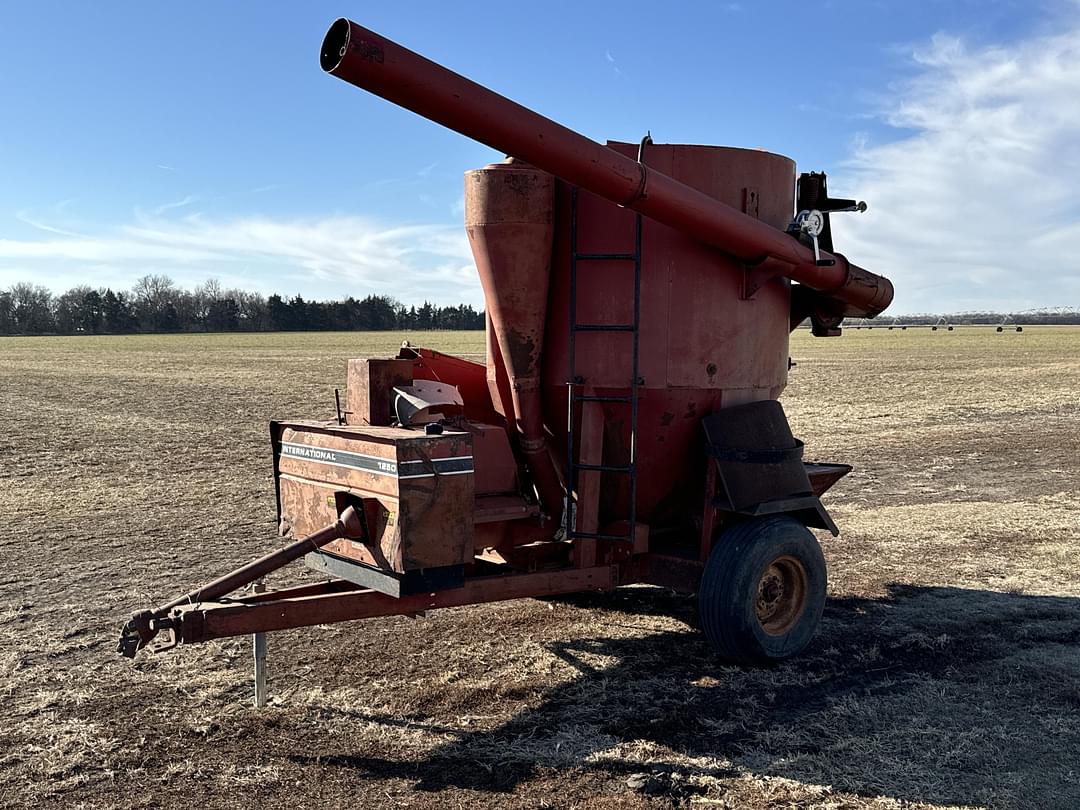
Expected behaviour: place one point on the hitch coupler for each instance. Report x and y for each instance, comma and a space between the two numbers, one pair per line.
145, 625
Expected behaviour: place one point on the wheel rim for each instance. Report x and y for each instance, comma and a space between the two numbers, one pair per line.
781, 595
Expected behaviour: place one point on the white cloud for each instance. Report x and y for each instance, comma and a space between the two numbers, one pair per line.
977, 206
188, 200
324, 258
612, 63
26, 219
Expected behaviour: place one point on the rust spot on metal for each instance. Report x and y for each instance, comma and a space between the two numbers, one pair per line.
368, 51
522, 350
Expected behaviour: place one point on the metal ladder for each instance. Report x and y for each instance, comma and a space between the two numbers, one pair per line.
575, 381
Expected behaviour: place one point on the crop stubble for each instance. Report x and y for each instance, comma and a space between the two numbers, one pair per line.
944, 674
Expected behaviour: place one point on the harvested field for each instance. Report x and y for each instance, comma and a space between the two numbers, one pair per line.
945, 673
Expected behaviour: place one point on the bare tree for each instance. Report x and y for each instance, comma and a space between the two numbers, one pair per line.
32, 309
156, 299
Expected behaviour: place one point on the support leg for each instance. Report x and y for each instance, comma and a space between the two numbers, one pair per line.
259, 647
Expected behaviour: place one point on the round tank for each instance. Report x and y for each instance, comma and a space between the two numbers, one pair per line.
703, 344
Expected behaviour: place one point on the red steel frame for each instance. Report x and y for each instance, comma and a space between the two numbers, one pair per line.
339, 601
199, 616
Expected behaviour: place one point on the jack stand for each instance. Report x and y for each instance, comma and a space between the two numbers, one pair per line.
259, 648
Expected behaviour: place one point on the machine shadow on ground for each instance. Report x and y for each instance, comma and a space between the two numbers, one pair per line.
931, 694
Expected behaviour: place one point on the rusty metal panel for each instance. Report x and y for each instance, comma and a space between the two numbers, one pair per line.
306, 502
702, 345
497, 381
823, 476
496, 468
369, 385
421, 487
469, 377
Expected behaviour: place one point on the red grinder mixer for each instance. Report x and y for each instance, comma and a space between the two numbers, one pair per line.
625, 428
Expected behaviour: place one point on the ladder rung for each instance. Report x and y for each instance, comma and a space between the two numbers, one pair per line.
630, 469
614, 257
603, 327
605, 468
599, 536
595, 398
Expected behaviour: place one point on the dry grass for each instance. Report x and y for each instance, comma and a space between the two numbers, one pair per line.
944, 675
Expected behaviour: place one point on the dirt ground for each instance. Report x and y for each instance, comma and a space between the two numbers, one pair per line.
945, 672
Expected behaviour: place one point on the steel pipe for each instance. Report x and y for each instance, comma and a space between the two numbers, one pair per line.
380, 66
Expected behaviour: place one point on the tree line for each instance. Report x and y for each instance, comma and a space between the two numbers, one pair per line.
1047, 318
1057, 316
156, 304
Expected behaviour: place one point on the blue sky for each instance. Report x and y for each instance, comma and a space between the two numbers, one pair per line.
202, 140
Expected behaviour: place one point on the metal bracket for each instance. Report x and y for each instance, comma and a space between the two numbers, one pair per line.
646, 141
812, 194
167, 636
811, 224
750, 201
755, 276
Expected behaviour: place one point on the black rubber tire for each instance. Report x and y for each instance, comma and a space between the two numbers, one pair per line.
729, 590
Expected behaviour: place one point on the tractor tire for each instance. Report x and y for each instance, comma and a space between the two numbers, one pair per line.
763, 591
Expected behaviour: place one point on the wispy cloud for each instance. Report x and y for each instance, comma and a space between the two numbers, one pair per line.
977, 205
329, 257
611, 61
25, 218
188, 200
262, 189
